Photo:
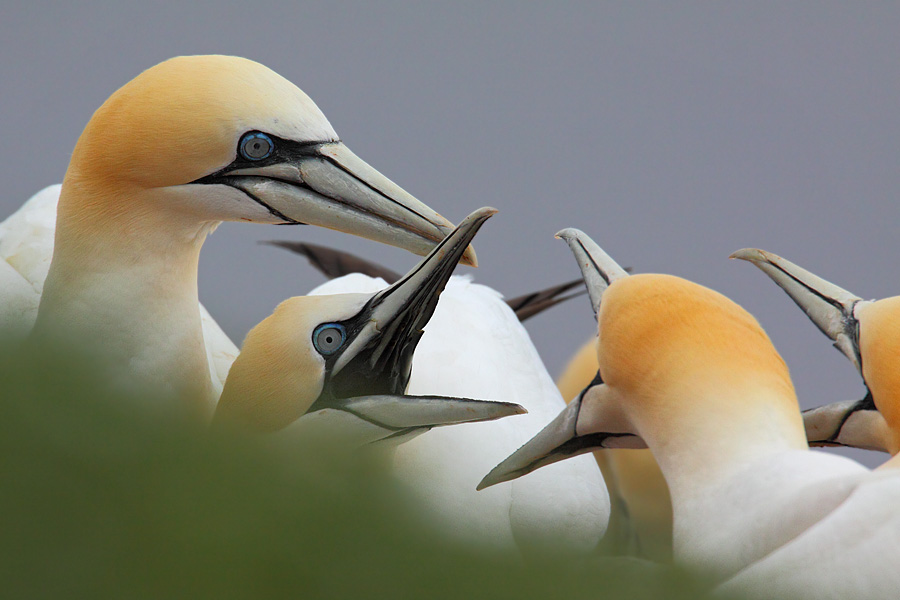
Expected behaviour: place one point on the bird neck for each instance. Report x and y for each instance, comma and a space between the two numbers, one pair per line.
711, 435
123, 280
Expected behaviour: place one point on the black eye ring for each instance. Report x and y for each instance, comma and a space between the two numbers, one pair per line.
328, 338
256, 146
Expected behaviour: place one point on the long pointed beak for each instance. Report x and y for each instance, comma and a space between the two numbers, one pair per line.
405, 416
830, 307
561, 439
574, 431
383, 335
598, 269
329, 186
853, 423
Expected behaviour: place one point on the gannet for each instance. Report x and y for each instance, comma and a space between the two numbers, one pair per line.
694, 376
338, 366
187, 144
868, 333
475, 347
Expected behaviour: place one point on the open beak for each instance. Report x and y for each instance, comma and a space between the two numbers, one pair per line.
598, 269
571, 433
369, 376
592, 420
831, 308
388, 328
325, 184
853, 423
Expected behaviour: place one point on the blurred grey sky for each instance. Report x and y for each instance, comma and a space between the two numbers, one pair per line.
673, 134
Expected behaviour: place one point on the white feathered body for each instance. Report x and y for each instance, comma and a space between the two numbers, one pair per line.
26, 248
475, 347
742, 514
849, 550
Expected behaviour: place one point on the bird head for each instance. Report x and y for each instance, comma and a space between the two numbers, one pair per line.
352, 354
676, 359
221, 138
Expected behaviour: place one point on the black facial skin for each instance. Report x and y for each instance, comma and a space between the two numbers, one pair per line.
382, 367
385, 364
284, 151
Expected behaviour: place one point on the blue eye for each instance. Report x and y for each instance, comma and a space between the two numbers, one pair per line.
256, 146
329, 338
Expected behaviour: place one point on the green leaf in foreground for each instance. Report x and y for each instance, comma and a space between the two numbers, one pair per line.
105, 496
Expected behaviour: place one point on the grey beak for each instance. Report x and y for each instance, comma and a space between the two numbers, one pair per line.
407, 415
558, 441
830, 307
852, 423
598, 269
369, 376
552, 444
561, 439
327, 185
395, 316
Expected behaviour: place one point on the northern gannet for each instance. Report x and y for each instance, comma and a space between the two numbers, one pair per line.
338, 366
187, 144
692, 374
475, 347
868, 333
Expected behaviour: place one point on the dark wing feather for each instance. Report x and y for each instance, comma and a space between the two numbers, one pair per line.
335, 263
528, 305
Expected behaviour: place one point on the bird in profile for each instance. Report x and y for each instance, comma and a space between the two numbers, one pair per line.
867, 332
693, 376
338, 367
187, 144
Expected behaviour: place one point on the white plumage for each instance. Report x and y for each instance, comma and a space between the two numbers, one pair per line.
475, 347
851, 552
26, 248
755, 503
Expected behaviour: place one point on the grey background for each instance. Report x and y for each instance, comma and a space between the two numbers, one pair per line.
672, 134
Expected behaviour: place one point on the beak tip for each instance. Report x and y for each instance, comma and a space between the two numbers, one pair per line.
567, 234
496, 476
487, 482
501, 410
477, 218
749, 254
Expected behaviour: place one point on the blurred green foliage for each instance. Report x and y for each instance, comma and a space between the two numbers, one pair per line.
102, 496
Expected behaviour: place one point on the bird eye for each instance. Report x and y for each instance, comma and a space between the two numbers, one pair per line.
256, 146
328, 338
